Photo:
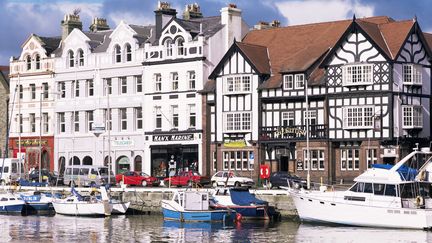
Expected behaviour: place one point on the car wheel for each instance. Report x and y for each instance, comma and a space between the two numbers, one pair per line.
269, 185
143, 183
214, 184
3, 183
166, 183
190, 183
237, 184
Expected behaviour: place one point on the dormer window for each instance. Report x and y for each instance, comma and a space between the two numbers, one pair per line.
28, 62
168, 46
294, 81
180, 46
128, 49
80, 57
358, 74
37, 59
117, 53
412, 74
412, 116
71, 58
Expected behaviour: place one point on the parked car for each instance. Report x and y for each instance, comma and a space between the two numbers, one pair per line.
47, 176
230, 178
137, 179
10, 172
280, 178
186, 178
88, 175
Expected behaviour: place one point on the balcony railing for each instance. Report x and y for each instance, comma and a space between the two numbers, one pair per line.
293, 132
160, 53
21, 67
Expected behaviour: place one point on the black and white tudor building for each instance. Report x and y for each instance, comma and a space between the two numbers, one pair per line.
368, 84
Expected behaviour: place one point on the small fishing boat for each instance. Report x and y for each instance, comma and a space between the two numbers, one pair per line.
119, 207
193, 206
77, 205
37, 202
11, 203
244, 203
389, 196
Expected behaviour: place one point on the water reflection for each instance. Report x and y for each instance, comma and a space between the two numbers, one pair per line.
152, 228
334, 234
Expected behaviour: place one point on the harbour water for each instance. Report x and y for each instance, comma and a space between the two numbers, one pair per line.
152, 228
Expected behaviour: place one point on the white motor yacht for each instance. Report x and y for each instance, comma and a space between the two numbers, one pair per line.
397, 196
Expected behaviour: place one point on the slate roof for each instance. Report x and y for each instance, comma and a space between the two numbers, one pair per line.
210, 25
49, 43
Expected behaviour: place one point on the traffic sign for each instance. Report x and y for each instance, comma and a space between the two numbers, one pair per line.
264, 171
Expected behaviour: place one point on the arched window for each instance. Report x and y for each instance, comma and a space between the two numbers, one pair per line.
180, 46
45, 160
128, 49
122, 164
38, 66
80, 57
117, 53
138, 163
28, 62
76, 161
71, 58
168, 46
87, 160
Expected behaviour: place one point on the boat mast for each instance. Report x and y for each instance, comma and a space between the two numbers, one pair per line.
307, 136
108, 114
20, 123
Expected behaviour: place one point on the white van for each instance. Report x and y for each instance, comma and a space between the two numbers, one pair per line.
9, 170
87, 175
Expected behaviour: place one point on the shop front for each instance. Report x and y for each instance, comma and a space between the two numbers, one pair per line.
33, 150
169, 159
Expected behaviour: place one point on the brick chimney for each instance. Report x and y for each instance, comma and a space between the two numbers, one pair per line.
70, 22
99, 24
192, 11
163, 14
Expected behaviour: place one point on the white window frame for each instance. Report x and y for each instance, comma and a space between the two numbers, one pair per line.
138, 118
45, 123
237, 121
317, 162
288, 82
138, 84
288, 116
299, 81
238, 84
45, 89
80, 57
90, 120
158, 117
32, 121
349, 163
371, 157
192, 115
123, 85
123, 119
157, 77
76, 88
175, 116
412, 116
61, 122
174, 81
90, 87
33, 91
21, 92
235, 160
191, 80
357, 74
76, 121
108, 86
108, 119
358, 117
412, 74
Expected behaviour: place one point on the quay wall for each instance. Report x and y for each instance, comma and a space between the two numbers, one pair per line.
148, 200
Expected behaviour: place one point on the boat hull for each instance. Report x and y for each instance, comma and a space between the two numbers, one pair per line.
316, 209
212, 215
83, 208
249, 212
12, 208
119, 207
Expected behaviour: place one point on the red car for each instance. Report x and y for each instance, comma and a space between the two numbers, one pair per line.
185, 178
136, 178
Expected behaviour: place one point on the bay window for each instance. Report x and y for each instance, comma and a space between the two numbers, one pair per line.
412, 116
359, 74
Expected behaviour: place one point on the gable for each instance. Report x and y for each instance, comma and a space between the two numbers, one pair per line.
31, 47
413, 51
173, 30
122, 32
355, 48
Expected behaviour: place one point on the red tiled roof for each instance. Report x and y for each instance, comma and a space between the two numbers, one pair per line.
257, 55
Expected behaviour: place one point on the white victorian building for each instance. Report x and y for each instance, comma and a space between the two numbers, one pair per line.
176, 66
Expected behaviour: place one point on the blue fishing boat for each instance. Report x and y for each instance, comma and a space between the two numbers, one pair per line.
37, 202
243, 202
10, 203
193, 206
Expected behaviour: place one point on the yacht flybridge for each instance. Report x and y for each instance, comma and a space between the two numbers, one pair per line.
397, 196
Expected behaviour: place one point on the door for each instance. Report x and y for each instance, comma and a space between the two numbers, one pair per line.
284, 163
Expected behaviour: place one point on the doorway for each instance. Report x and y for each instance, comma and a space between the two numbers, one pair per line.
284, 163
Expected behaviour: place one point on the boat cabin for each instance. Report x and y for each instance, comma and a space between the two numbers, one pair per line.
192, 200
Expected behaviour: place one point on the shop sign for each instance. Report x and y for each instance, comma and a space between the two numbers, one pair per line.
235, 144
31, 142
122, 143
299, 165
286, 131
173, 137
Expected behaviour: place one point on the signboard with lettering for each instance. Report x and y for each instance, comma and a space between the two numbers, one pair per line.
122, 143
173, 137
31, 142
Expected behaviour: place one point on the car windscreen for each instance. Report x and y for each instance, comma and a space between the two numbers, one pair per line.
104, 172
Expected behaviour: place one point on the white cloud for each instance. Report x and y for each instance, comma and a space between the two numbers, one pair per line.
302, 12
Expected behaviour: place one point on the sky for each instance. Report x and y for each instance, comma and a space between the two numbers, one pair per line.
20, 18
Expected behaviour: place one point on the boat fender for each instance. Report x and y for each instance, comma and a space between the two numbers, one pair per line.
419, 201
422, 175
238, 217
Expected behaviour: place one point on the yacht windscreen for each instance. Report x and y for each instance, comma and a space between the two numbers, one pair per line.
412, 190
